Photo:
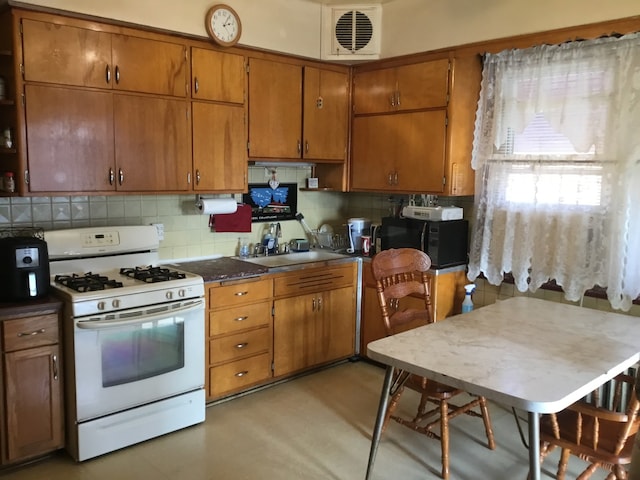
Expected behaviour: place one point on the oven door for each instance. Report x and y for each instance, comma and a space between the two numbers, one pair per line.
134, 357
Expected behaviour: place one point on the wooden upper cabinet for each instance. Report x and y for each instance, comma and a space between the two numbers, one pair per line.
71, 55
150, 66
275, 109
71, 152
217, 76
408, 87
219, 148
152, 138
326, 113
56, 53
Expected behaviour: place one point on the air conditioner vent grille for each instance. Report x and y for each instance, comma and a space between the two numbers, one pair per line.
354, 30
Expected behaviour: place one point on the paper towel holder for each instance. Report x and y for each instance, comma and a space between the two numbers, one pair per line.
200, 196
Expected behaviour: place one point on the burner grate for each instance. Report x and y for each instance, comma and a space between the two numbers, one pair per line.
151, 274
87, 282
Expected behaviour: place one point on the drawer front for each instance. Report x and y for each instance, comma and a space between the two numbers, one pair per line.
235, 376
239, 345
239, 293
30, 332
314, 280
242, 317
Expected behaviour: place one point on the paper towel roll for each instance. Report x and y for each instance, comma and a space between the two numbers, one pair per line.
212, 206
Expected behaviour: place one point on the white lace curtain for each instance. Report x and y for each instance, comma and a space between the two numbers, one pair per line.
557, 159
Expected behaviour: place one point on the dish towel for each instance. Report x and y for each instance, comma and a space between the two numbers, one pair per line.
240, 221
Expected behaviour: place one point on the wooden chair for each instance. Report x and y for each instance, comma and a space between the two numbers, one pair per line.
400, 273
600, 434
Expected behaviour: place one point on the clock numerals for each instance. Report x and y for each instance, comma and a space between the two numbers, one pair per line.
223, 25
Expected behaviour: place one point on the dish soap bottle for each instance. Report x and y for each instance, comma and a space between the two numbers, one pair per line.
467, 304
269, 239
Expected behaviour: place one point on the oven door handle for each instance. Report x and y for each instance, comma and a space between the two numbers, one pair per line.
102, 324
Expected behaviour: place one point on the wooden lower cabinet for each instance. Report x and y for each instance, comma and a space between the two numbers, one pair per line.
314, 318
447, 294
239, 336
32, 420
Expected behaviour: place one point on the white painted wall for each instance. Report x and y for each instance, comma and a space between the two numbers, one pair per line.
408, 26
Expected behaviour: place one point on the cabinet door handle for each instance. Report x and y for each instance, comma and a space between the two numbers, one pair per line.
319, 303
117, 74
398, 98
30, 334
313, 304
112, 176
240, 294
242, 345
242, 374
240, 319
390, 178
107, 73
120, 176
197, 177
306, 147
392, 100
395, 178
299, 146
196, 85
54, 365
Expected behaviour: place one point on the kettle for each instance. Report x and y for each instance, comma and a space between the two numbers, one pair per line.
356, 227
24, 262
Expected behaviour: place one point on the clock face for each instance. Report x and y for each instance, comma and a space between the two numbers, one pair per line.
223, 25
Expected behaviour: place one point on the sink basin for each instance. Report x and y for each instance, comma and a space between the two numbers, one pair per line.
296, 258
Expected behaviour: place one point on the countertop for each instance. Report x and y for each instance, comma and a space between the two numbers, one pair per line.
222, 268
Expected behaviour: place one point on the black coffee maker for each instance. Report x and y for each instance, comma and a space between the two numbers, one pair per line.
24, 263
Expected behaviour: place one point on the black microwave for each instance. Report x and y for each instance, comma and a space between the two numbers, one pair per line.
446, 242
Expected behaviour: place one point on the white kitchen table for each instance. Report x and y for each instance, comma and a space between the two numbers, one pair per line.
531, 354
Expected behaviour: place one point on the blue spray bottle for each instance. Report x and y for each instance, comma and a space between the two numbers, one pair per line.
467, 304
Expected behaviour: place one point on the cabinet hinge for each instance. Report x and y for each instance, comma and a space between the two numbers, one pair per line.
273, 311
446, 121
20, 27
444, 180
23, 100
26, 177
248, 146
273, 366
246, 67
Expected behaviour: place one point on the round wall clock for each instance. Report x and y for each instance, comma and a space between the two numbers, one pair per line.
223, 25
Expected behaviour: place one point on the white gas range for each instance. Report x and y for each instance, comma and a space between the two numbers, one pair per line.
133, 338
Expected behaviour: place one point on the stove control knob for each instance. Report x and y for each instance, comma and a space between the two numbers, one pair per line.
182, 293
169, 295
101, 305
115, 303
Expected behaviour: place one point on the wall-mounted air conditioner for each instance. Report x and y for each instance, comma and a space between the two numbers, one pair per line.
351, 33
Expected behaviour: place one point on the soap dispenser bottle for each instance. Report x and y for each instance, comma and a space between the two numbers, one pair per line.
467, 304
269, 239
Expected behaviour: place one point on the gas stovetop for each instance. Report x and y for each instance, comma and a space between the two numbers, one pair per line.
99, 270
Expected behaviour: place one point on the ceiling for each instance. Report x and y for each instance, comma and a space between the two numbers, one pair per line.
350, 2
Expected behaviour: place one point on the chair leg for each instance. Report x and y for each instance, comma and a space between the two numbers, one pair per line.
562, 463
487, 422
393, 404
444, 438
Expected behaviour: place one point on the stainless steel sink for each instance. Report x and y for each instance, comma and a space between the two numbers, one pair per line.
296, 258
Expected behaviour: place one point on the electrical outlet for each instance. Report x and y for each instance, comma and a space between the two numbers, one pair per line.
160, 230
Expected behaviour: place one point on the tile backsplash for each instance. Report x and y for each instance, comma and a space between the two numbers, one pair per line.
187, 234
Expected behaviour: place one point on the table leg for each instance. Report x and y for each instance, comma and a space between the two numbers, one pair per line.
534, 446
382, 408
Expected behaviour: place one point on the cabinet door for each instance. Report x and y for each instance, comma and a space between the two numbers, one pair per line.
374, 140
150, 66
275, 109
374, 92
326, 110
152, 144
217, 76
293, 330
422, 85
420, 151
69, 139
66, 55
335, 329
219, 148
33, 402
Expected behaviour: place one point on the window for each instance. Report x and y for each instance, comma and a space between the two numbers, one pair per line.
557, 168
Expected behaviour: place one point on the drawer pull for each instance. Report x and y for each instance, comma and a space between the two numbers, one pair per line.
242, 374
240, 294
240, 319
242, 345
30, 334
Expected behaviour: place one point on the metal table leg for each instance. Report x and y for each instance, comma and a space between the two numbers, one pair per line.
382, 408
534, 446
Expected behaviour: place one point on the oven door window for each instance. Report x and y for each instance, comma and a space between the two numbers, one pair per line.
155, 348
